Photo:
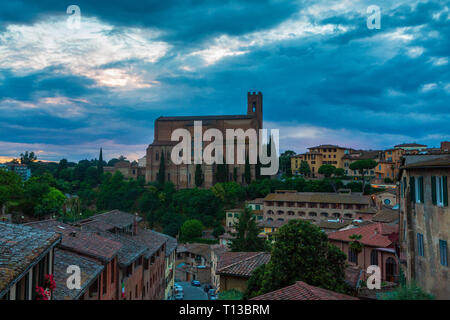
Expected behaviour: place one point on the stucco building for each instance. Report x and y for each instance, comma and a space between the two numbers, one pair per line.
425, 222
315, 206
183, 175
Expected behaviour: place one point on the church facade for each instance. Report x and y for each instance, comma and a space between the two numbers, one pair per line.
183, 175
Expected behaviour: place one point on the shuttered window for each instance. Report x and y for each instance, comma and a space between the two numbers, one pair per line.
443, 252
420, 250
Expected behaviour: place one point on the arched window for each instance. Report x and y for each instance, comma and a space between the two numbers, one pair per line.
270, 212
324, 214
301, 214
269, 219
336, 215
291, 213
313, 214
374, 257
280, 219
157, 156
348, 215
280, 212
391, 269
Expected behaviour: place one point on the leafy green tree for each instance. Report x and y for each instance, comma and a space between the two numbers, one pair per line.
361, 166
247, 234
91, 176
148, 203
51, 203
285, 162
191, 229
161, 176
355, 244
327, 170
198, 175
27, 157
339, 172
301, 252
218, 231
11, 189
304, 167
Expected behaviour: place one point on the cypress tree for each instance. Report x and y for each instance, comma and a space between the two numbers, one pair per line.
100, 163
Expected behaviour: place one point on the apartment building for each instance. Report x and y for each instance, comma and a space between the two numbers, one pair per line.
425, 222
26, 257
315, 206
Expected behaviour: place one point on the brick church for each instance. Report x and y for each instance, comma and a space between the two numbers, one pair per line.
183, 175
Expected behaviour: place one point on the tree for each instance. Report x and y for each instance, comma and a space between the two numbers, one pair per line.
27, 158
198, 175
247, 234
148, 204
218, 231
355, 244
247, 171
301, 252
362, 166
327, 170
232, 294
191, 229
285, 162
10, 187
304, 168
339, 172
406, 292
100, 163
161, 176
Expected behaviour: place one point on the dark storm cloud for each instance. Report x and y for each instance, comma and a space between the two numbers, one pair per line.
366, 88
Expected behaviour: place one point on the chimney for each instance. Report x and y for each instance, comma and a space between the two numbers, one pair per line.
135, 224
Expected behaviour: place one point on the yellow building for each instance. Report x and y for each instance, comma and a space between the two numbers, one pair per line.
318, 156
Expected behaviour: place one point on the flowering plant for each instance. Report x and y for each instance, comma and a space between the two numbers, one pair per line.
49, 285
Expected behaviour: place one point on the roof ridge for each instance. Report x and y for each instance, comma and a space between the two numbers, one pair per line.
235, 263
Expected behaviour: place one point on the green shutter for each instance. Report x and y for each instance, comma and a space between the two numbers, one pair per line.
433, 190
421, 189
445, 188
404, 187
412, 189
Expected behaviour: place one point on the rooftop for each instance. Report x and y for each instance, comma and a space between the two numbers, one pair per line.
116, 218
90, 270
327, 146
85, 242
200, 249
333, 225
20, 248
386, 215
374, 234
303, 291
152, 240
320, 197
213, 117
410, 145
241, 264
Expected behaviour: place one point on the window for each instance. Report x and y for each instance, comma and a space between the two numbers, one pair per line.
439, 193
112, 273
157, 156
387, 201
420, 244
230, 215
374, 258
416, 185
443, 252
352, 256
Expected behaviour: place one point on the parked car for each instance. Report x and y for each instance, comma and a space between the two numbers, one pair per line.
195, 283
207, 287
179, 296
214, 297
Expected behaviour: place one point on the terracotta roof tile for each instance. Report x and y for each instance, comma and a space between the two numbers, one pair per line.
375, 234
20, 248
152, 240
84, 242
90, 270
241, 264
386, 215
303, 291
319, 197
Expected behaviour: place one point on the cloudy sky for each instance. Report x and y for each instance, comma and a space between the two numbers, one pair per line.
325, 77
